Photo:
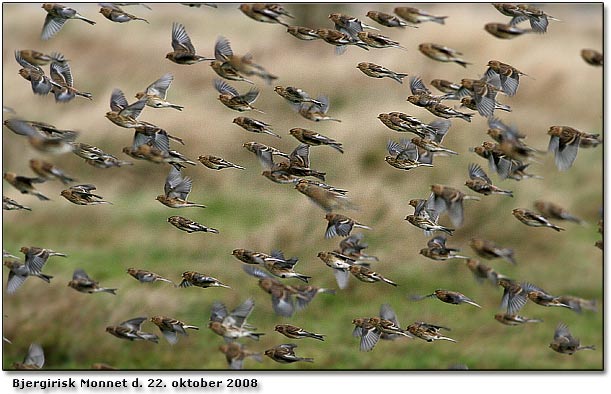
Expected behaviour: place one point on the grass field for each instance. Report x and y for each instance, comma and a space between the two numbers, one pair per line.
254, 213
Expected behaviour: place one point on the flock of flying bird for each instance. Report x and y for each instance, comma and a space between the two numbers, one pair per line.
508, 156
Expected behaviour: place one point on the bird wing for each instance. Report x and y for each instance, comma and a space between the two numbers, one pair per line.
160, 86
180, 39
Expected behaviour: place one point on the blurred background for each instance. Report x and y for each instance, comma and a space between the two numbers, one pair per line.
253, 213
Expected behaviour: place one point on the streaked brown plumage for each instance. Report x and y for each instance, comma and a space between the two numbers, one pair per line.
414, 15
532, 219
82, 195
25, 184
57, 15
192, 278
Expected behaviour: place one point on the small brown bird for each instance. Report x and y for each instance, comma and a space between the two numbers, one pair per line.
35, 359
511, 10
428, 224
387, 20
130, 330
514, 320
217, 163
340, 40
121, 113
184, 51
431, 145
235, 354
554, 211
508, 76
441, 110
366, 275
303, 33
348, 24
490, 250
267, 13
414, 15
48, 171
232, 325
387, 314
63, 88
482, 272
177, 189
514, 296
532, 219
577, 304
83, 283
304, 294
483, 94
445, 86
480, 183
229, 66
377, 71
156, 93
39, 253
299, 164
234, 100
82, 195
144, 276
388, 327
375, 40
295, 332
317, 112
437, 250
428, 332
446, 198
252, 257
285, 354
565, 343
564, 142
25, 184
323, 197
401, 122
295, 95
367, 331
283, 301
541, 297
170, 328
57, 15
283, 268
340, 225
353, 247
504, 31
225, 70
43, 137
189, 225
404, 155
115, 13
592, 57
254, 126
442, 53
537, 18
8, 204
192, 278
233, 66
40, 83
19, 272
341, 266
447, 296
313, 138
264, 153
